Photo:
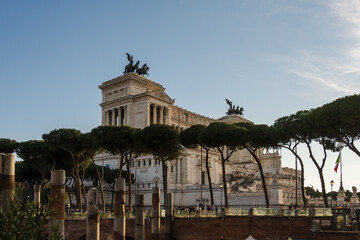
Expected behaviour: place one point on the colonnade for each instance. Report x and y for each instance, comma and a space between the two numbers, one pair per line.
158, 114
116, 116
119, 116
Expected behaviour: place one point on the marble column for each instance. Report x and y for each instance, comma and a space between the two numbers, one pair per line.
57, 192
106, 117
125, 115
168, 216
119, 116
119, 219
161, 115
155, 218
166, 114
37, 190
154, 113
148, 115
128, 121
93, 216
103, 117
113, 117
7, 179
178, 173
139, 217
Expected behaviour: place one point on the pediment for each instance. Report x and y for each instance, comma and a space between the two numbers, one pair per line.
161, 95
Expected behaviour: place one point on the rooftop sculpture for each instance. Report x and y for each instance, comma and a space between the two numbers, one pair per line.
234, 109
131, 67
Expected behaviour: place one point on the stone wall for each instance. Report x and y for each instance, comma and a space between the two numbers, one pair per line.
76, 229
230, 228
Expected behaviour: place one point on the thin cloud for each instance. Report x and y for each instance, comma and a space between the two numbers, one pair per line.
327, 83
349, 13
339, 67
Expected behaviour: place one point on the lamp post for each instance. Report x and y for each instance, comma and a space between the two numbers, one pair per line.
331, 183
221, 194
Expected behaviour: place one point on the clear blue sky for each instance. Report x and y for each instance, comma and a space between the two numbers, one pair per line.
273, 58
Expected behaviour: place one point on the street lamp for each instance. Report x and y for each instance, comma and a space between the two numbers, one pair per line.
331, 183
221, 194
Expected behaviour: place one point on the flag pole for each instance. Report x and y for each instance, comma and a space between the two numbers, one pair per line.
341, 182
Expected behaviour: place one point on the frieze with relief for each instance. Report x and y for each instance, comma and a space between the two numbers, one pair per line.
140, 99
115, 104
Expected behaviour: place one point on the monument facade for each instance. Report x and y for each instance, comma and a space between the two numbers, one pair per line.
136, 101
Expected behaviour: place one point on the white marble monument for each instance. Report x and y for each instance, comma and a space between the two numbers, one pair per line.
136, 101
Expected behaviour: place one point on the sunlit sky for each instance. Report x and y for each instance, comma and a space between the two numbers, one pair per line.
273, 58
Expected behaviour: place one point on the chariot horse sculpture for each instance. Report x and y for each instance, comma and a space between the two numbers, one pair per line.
131, 67
234, 109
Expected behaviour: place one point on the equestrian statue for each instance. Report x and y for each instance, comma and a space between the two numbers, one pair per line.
234, 109
131, 67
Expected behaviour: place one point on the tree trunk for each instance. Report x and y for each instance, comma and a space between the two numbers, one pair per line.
164, 169
209, 177
252, 152
129, 191
77, 179
223, 160
303, 183
77, 186
68, 191
112, 198
302, 172
78, 193
224, 182
120, 166
83, 185
101, 185
320, 170
354, 149
117, 196
323, 188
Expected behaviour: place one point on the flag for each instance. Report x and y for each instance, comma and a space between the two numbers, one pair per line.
337, 162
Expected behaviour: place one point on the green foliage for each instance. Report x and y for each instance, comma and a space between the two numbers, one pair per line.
332, 194
7, 145
35, 154
312, 193
348, 195
160, 140
115, 139
64, 146
45, 195
25, 220
90, 174
339, 120
219, 134
25, 171
63, 138
340, 117
190, 137
91, 146
256, 135
294, 127
111, 174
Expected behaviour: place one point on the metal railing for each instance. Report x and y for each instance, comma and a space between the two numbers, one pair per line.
227, 212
